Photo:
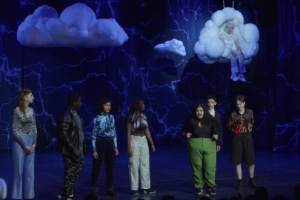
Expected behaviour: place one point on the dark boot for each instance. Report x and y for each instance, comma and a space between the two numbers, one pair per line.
252, 183
240, 185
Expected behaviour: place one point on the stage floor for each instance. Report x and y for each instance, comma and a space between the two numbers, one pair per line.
170, 174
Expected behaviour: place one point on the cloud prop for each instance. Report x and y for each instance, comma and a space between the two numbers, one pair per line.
175, 46
76, 26
211, 49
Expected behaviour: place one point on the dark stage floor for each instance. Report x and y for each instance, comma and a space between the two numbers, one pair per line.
170, 174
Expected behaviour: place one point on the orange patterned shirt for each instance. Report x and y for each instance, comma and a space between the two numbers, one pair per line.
241, 123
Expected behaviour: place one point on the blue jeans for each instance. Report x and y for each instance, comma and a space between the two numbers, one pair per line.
23, 163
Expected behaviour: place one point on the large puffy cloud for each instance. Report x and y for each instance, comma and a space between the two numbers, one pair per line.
76, 26
211, 49
175, 46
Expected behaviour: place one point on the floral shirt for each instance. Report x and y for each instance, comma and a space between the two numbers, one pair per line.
24, 124
241, 123
104, 126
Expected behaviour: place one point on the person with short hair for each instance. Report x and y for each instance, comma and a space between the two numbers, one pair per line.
211, 103
240, 123
105, 147
71, 144
23, 148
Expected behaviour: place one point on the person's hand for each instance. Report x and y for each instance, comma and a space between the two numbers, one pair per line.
95, 155
28, 150
215, 137
77, 153
116, 152
153, 147
233, 53
129, 152
188, 135
218, 148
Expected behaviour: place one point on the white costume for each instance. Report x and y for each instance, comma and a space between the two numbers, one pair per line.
237, 62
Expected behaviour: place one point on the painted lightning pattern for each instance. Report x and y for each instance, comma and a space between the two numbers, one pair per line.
153, 79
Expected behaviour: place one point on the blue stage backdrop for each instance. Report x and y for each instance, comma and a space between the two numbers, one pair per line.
169, 83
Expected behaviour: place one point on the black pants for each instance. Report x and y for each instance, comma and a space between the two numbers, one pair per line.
72, 171
106, 152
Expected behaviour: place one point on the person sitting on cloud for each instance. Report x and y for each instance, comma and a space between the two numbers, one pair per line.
236, 56
239, 44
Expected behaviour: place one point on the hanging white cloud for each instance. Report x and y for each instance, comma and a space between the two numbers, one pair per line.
76, 26
211, 49
174, 46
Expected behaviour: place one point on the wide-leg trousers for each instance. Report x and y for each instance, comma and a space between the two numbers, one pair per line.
106, 152
23, 163
202, 154
139, 162
237, 63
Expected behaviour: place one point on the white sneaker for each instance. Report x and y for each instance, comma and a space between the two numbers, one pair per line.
241, 77
234, 77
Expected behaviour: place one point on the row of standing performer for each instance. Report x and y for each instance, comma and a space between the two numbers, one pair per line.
203, 132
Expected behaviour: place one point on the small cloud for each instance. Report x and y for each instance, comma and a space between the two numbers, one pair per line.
211, 49
175, 46
76, 26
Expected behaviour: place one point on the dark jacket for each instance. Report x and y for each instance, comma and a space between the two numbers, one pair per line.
68, 135
219, 121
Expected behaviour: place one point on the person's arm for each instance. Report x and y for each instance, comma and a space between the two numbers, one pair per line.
115, 135
128, 130
220, 138
17, 128
148, 135
237, 44
185, 130
231, 123
64, 125
215, 130
34, 130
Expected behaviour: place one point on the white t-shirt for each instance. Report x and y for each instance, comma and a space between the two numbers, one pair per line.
228, 39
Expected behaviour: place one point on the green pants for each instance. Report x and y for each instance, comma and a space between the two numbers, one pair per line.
202, 153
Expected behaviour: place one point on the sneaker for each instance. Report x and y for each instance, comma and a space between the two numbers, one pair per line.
66, 197
135, 192
211, 191
96, 195
252, 183
149, 191
241, 77
63, 196
234, 77
111, 193
199, 192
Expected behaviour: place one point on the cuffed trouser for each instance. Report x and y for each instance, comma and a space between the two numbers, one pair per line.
202, 154
106, 151
72, 171
139, 161
237, 63
23, 162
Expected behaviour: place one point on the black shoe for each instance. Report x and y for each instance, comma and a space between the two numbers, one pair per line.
149, 191
199, 192
252, 183
111, 193
240, 185
240, 196
96, 195
211, 191
134, 192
